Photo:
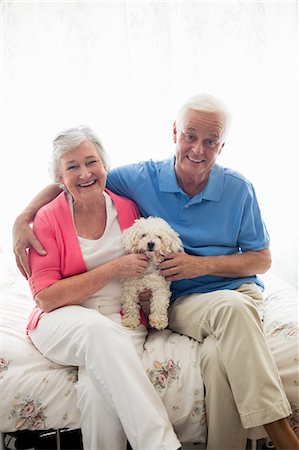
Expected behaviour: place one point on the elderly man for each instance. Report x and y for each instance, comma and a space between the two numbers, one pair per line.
216, 293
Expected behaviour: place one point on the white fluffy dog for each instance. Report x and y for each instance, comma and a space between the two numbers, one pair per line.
155, 238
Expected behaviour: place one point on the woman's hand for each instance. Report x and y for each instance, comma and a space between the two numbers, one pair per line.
23, 237
144, 299
145, 295
130, 266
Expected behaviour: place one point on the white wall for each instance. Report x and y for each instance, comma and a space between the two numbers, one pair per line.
125, 67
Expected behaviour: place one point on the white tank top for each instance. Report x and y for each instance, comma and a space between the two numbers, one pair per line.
99, 251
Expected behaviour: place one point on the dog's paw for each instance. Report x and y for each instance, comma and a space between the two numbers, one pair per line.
131, 322
158, 322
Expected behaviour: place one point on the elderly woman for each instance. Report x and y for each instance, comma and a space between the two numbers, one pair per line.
77, 289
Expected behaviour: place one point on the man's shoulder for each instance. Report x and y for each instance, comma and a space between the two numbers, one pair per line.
235, 177
134, 175
139, 167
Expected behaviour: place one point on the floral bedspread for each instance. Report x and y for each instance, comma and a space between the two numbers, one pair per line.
37, 394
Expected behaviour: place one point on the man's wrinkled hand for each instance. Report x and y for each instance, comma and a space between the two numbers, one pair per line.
23, 238
180, 266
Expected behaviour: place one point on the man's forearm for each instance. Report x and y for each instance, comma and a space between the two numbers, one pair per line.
41, 199
240, 265
178, 266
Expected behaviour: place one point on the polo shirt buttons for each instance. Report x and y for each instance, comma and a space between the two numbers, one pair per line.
186, 206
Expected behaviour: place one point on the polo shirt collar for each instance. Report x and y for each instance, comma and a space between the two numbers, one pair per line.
167, 178
214, 187
212, 191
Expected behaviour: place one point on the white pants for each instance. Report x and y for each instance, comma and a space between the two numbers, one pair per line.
115, 396
242, 384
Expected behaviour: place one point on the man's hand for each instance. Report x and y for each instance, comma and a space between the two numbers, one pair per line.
23, 237
179, 266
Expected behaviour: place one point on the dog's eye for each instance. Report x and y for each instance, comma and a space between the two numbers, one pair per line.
159, 237
143, 235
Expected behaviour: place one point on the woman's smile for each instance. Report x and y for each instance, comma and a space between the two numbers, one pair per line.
87, 183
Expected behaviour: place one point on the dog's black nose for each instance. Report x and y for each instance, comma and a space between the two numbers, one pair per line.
150, 246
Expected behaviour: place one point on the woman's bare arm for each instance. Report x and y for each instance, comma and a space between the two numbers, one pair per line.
76, 289
23, 236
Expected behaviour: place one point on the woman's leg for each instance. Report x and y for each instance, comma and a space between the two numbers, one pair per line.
101, 427
78, 336
99, 423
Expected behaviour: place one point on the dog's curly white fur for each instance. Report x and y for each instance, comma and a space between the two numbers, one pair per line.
155, 238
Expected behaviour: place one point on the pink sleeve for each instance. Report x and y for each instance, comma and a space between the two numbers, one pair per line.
135, 211
45, 270
127, 213
33, 319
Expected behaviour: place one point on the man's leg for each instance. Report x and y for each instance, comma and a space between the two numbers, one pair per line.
225, 430
232, 319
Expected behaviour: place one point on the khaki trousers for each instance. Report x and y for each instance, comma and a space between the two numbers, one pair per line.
242, 386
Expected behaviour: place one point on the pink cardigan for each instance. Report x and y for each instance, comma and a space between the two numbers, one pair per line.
54, 227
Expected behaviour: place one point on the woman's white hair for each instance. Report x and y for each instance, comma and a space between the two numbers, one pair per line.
205, 103
69, 139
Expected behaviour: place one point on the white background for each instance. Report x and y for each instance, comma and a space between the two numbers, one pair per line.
124, 68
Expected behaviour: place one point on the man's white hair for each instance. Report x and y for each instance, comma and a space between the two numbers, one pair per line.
205, 103
69, 139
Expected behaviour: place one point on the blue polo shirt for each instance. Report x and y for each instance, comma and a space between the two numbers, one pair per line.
223, 219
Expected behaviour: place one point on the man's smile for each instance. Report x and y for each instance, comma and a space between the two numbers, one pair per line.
195, 160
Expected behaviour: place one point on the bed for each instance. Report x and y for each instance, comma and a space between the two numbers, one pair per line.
37, 394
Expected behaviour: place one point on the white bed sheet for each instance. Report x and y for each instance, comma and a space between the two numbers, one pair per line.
38, 394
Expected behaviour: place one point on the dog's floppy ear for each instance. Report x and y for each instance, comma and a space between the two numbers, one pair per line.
172, 242
129, 237
126, 239
175, 244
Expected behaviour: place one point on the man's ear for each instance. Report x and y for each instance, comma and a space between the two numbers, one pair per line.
174, 132
220, 150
